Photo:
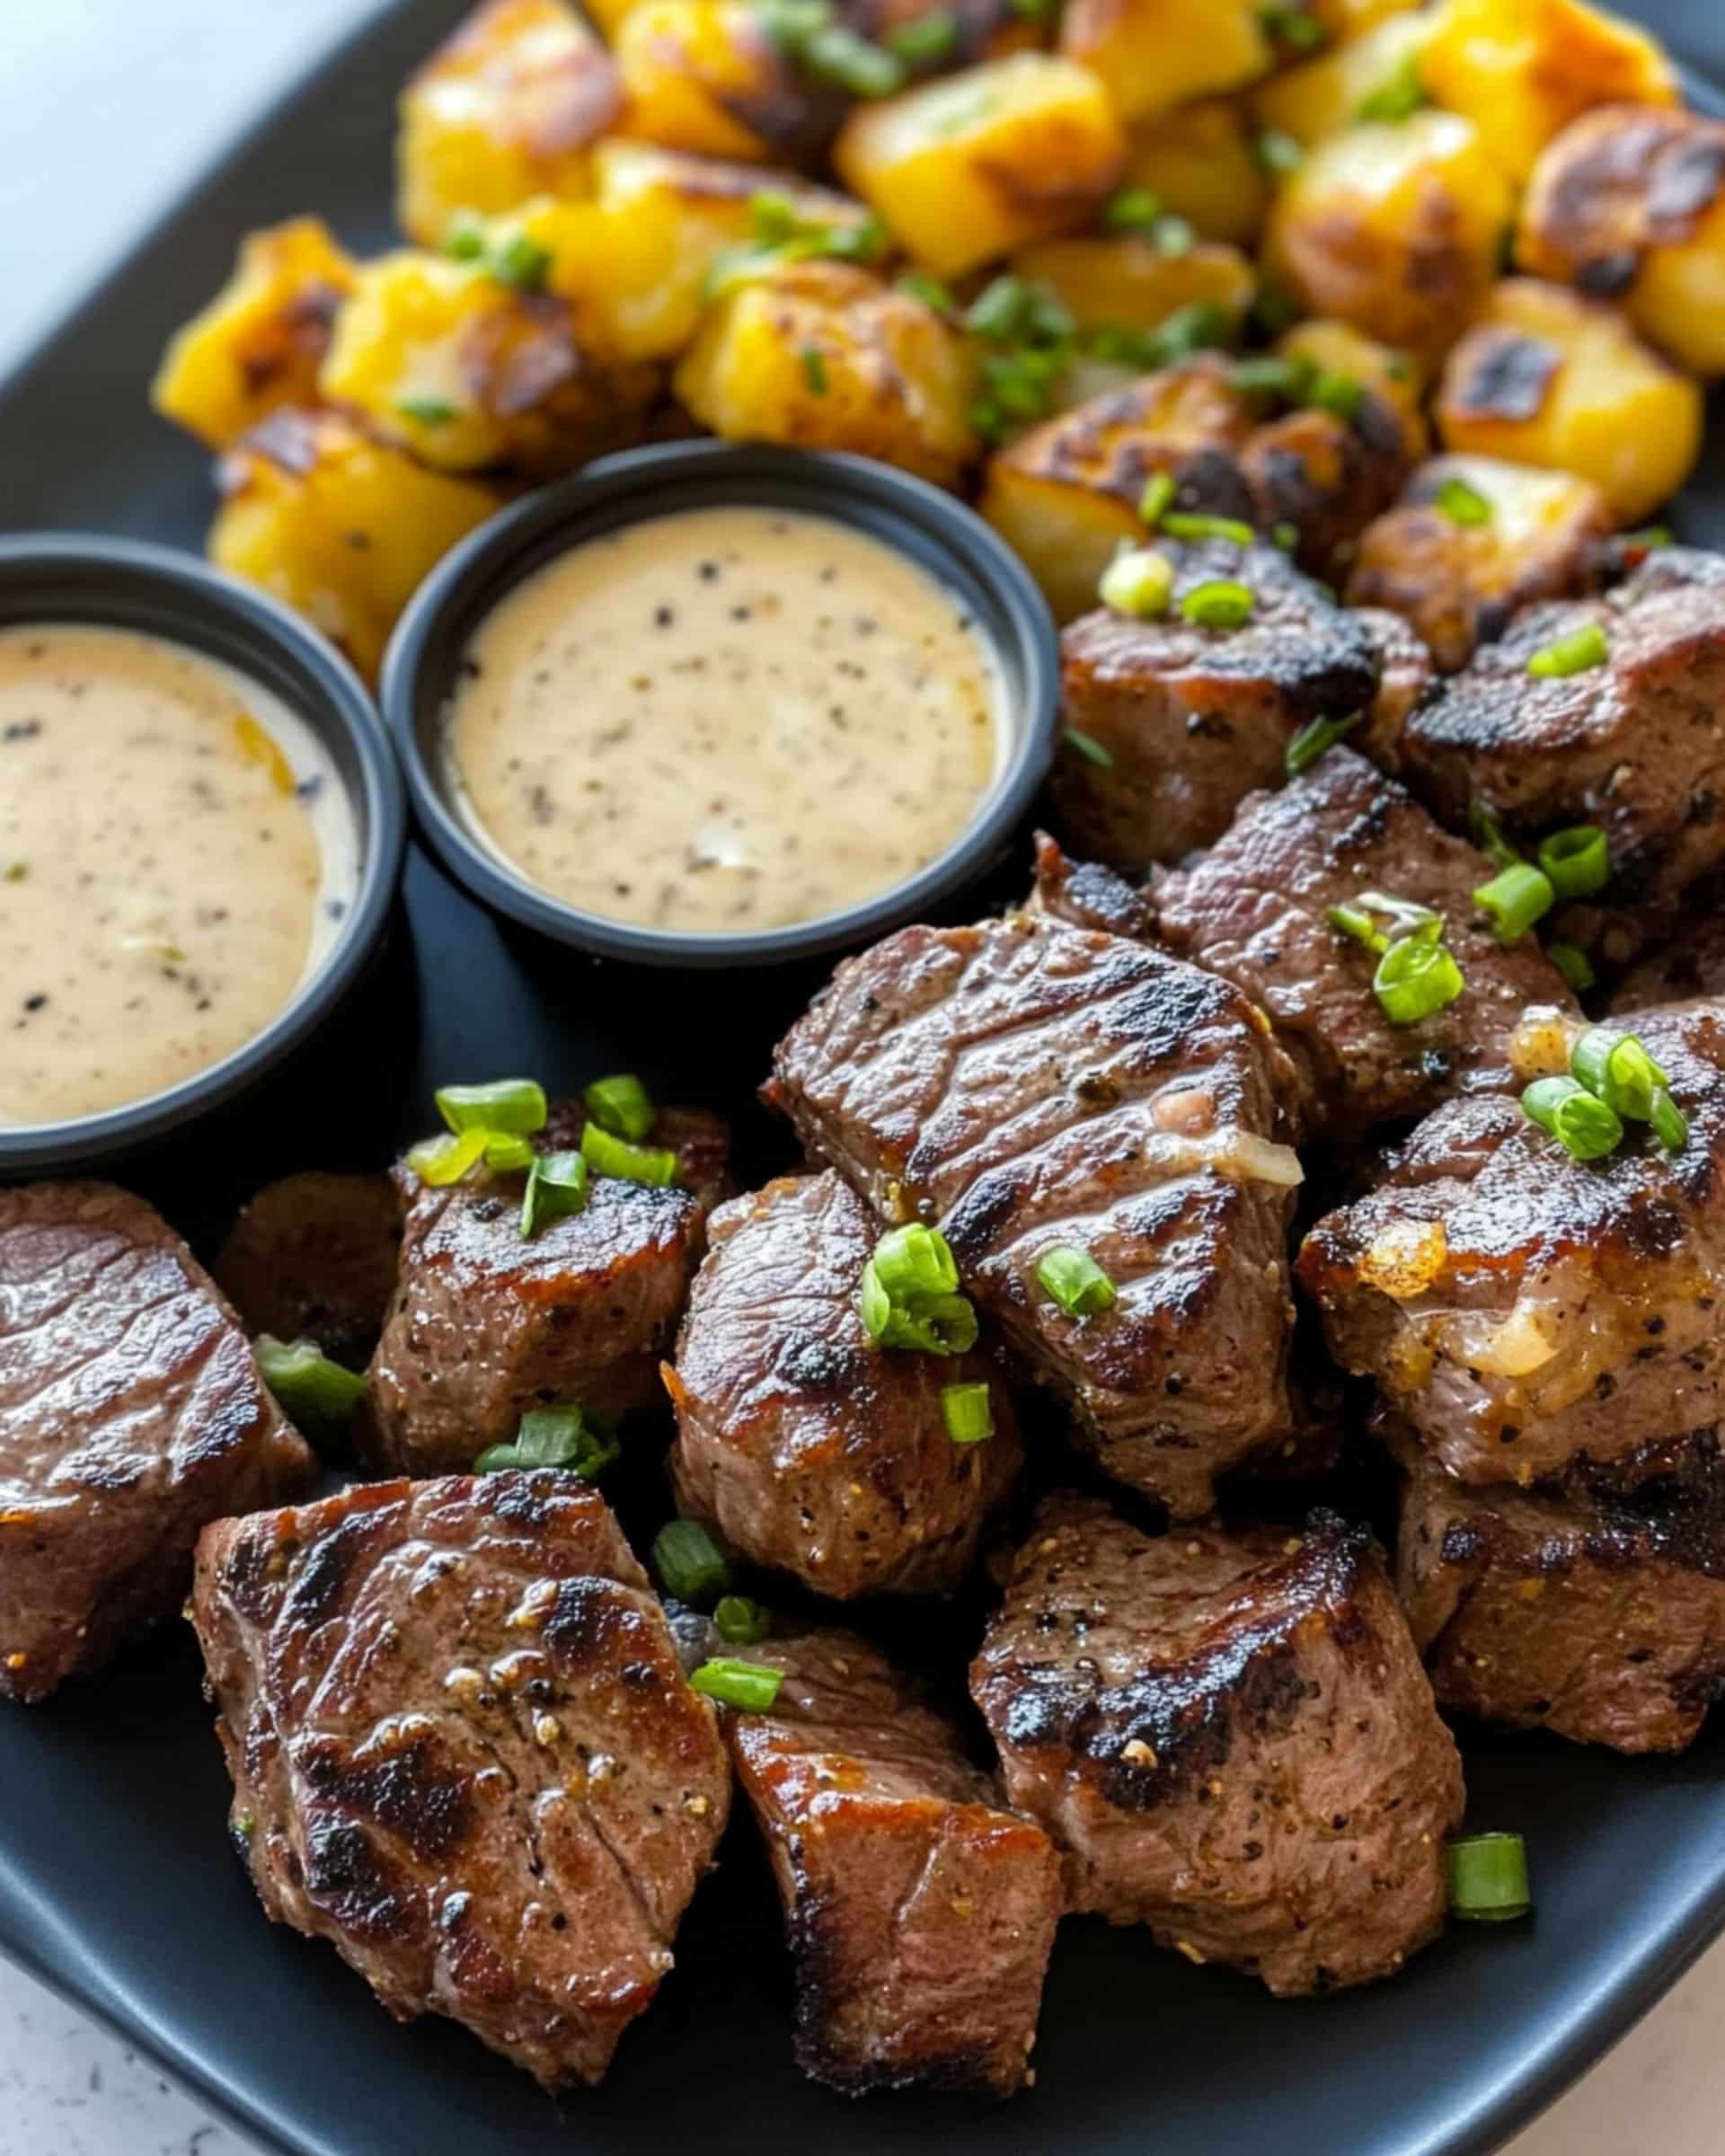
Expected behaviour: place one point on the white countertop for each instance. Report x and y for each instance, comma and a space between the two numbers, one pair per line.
76, 78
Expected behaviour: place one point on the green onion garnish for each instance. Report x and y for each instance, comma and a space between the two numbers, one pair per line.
1490, 838
1617, 1067
739, 1621
913, 1262
1336, 393
998, 311
1158, 497
1075, 1281
1407, 917
556, 1185
522, 262
1286, 377
310, 1388
1089, 747
427, 411
1139, 582
1132, 209
1220, 603
838, 55
1647, 540
1488, 1878
1314, 739
689, 1563
516, 1104
606, 1155
1581, 1123
814, 369
917, 284
1194, 524
925, 38
1276, 152
1515, 898
506, 1151
791, 24
1285, 535
1576, 862
749, 1685
465, 241
1398, 98
907, 1296
620, 1105
1292, 27
1577, 653
1670, 1125
1574, 964
563, 1438
1416, 978
447, 1157
1461, 503
966, 1412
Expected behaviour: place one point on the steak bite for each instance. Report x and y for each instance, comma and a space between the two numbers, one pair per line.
1228, 1732
1636, 744
1026, 1087
484, 1325
131, 1413
1602, 1618
810, 1448
1193, 718
1525, 1311
918, 1910
463, 1750
1405, 673
1255, 909
313, 1257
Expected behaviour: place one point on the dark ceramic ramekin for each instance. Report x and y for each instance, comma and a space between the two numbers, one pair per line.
918, 520
123, 584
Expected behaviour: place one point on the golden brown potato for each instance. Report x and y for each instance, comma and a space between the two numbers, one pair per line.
1629, 204
1337, 348
1345, 85
508, 107
704, 76
1472, 540
1342, 19
1152, 54
468, 371
822, 355
974, 164
1129, 284
1395, 228
1199, 162
338, 526
261, 340
1067, 493
1522, 69
1548, 377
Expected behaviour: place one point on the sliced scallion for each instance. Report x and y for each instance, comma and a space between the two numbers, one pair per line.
427, 411
1313, 740
1089, 747
925, 40
1574, 964
607, 1155
1220, 602
739, 1621
932, 1325
968, 1413
1488, 1878
1336, 394
1577, 653
1133, 209
1075, 1281
1277, 152
1669, 1124
1195, 524
1489, 836
1616, 1066
1139, 582
1397, 99
1580, 1122
749, 1685
310, 1387
1158, 497
1416, 978
914, 1260
1461, 503
447, 1157
565, 1438
522, 262
516, 1104
622, 1105
1576, 862
557, 1184
689, 1563
1513, 899
836, 54
506, 1150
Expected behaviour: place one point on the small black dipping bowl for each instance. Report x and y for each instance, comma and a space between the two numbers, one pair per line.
123, 584
946, 538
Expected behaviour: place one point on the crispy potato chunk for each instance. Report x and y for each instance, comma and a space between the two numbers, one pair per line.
507, 108
1324, 95
1343, 19
1522, 69
340, 527
1337, 348
261, 340
1199, 161
1129, 284
468, 372
1541, 536
1548, 377
1152, 54
972, 165
1629, 204
1065, 494
1393, 228
823, 355
703, 76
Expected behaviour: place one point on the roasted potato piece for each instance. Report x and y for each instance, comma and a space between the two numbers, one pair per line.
1522, 69
507, 108
1129, 284
1349, 82
261, 340
1344, 19
1152, 54
1458, 572
1065, 494
1395, 228
972, 165
823, 355
1548, 377
1199, 162
704, 76
469, 372
1336, 348
1629, 204
340, 527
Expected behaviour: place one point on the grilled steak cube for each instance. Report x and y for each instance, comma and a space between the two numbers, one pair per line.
1524, 1311
1636, 744
1254, 909
1083, 894
1228, 1732
1193, 718
131, 1412
919, 1912
1694, 965
811, 1449
484, 1325
313, 1257
1601, 1618
463, 1750
1025, 1086
1405, 673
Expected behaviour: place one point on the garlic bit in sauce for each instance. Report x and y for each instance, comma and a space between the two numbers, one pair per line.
176, 854
725, 720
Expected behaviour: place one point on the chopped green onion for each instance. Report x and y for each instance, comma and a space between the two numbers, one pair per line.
925, 38
749, 1685
966, 1412
1277, 152
1490, 838
1132, 209
447, 1157
1461, 503
1416, 978
935, 1325
1670, 1125
999, 311
1398, 98
620, 1105
917, 284
1356, 921
913, 1262
739, 1621
1576, 861
496, 1457
791, 24
1617, 1067
310, 1387
1220, 603
906, 1301
508, 1104
1275, 310
1515, 898
428, 412
1288, 377
522, 262
564, 1436
1075, 1281
506, 1150
836, 54
1139, 582
607, 1156
1574, 964
1488, 1878
689, 1563
1292, 27
556, 1185
1158, 497
873, 1304
1173, 235
465, 241
1577, 653
1285, 535
1581, 1123
1089, 747
1336, 393
814, 369
1314, 739
1194, 524
1647, 540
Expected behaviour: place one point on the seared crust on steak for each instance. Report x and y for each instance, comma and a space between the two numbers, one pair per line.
1083, 894
313, 1257
1405, 673
919, 1912
463, 1750
1329, 476
1023, 1086
131, 1412
811, 1449
1229, 1733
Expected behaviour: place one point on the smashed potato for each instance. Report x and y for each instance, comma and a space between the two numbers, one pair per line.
1152, 54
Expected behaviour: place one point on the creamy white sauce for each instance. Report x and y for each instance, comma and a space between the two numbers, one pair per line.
177, 851
725, 719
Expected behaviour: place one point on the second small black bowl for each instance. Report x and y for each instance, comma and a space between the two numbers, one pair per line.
931, 528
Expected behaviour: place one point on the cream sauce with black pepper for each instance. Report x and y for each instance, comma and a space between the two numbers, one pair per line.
725, 719
176, 854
